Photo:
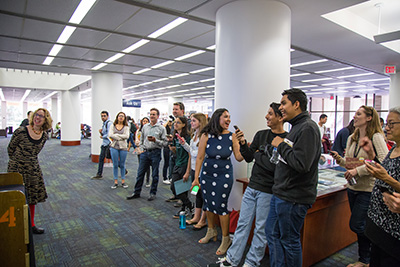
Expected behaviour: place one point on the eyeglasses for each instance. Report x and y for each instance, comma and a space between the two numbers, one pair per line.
391, 124
39, 116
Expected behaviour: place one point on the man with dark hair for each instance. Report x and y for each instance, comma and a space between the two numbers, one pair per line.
178, 110
295, 180
105, 145
25, 122
153, 138
258, 194
322, 129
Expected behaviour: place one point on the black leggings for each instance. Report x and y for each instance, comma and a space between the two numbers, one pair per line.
177, 174
199, 196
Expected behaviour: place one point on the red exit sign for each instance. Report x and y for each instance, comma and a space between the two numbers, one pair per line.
390, 69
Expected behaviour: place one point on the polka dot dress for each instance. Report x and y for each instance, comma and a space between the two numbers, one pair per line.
216, 176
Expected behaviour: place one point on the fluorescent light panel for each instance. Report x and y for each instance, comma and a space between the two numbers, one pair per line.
2, 95
48, 60
355, 75
66, 33
365, 90
207, 80
162, 64
114, 57
201, 70
27, 92
308, 63
81, 11
316, 80
305, 86
167, 27
178, 75
142, 71
333, 70
195, 53
338, 83
189, 83
299, 74
372, 80
49, 95
99, 66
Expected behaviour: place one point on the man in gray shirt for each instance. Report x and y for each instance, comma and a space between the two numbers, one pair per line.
153, 138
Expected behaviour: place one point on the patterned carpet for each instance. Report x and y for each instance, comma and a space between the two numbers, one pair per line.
89, 224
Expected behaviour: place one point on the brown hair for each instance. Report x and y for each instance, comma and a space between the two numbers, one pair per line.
373, 126
48, 121
203, 122
125, 122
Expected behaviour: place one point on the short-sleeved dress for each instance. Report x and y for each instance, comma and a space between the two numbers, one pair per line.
216, 176
23, 158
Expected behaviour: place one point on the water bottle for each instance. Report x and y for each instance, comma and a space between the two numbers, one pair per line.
182, 220
275, 156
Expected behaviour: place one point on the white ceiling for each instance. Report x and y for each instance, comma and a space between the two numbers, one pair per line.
29, 29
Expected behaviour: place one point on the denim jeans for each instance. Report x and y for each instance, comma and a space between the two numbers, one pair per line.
131, 140
118, 158
102, 156
166, 156
254, 203
147, 159
284, 223
359, 203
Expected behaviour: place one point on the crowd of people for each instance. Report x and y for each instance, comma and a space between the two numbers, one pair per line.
280, 192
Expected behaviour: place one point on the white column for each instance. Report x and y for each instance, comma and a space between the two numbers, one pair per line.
252, 66
70, 118
3, 114
107, 96
394, 90
54, 111
24, 108
136, 115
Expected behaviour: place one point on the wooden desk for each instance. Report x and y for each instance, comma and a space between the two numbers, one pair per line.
326, 226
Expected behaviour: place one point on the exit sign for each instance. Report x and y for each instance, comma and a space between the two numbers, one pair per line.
390, 69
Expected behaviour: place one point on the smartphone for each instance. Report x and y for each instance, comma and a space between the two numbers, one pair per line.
179, 137
371, 162
236, 128
383, 189
195, 190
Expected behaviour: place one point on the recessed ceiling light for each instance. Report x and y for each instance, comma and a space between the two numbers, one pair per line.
27, 92
162, 64
211, 47
142, 71
202, 70
160, 80
372, 80
207, 80
178, 75
172, 86
195, 53
48, 60
81, 11
167, 27
299, 74
197, 88
354, 86
332, 70
321, 89
189, 83
114, 57
135, 46
316, 80
355, 75
305, 86
365, 90
328, 84
308, 63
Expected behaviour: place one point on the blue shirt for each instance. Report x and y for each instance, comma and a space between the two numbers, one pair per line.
105, 130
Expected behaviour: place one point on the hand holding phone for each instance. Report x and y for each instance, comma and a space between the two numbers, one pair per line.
180, 138
371, 162
195, 190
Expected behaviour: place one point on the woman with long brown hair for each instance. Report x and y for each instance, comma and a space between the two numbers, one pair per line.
23, 149
119, 134
361, 182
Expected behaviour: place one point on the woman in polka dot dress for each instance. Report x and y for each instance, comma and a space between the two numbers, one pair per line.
214, 167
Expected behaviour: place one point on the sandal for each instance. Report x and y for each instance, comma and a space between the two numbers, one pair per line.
198, 226
190, 222
358, 264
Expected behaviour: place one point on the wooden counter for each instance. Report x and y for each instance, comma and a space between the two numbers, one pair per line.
326, 226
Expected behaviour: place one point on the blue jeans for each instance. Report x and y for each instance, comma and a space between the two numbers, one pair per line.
147, 159
359, 203
118, 158
284, 223
131, 140
102, 156
254, 203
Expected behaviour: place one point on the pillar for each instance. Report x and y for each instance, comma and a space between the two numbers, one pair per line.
70, 114
394, 90
107, 96
24, 109
3, 114
252, 66
54, 111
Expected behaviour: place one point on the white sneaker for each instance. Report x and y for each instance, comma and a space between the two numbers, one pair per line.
147, 185
166, 182
114, 186
124, 185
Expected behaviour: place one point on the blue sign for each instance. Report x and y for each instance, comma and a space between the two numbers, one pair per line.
132, 103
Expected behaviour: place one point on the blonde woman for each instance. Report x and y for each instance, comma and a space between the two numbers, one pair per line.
119, 134
198, 121
366, 122
23, 149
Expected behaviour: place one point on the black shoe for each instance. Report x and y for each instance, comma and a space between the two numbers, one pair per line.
98, 176
151, 197
176, 216
133, 196
37, 230
172, 199
126, 171
178, 204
